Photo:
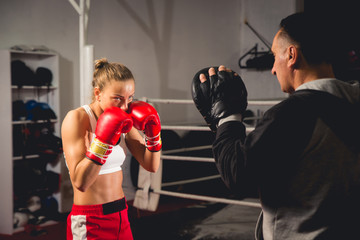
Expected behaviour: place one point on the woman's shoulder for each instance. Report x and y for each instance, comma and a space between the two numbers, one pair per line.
76, 114
76, 118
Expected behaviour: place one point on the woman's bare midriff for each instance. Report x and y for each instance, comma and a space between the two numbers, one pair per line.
106, 188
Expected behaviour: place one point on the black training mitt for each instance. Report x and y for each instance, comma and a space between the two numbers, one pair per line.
220, 96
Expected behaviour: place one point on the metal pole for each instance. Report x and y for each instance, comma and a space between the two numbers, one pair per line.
85, 52
81, 48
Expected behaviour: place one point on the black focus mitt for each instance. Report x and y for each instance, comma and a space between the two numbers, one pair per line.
220, 96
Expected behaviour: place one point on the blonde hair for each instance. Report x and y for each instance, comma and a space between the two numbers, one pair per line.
105, 72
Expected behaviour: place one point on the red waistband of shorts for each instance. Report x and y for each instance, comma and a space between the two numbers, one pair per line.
100, 209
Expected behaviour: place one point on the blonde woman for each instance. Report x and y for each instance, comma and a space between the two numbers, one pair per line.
96, 139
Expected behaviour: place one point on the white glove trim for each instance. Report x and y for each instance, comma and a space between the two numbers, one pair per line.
233, 117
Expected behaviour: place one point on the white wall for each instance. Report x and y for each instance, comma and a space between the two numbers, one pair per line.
164, 42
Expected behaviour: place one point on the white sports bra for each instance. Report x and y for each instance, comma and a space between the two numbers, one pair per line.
117, 157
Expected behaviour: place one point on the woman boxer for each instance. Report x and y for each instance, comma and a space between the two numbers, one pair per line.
96, 139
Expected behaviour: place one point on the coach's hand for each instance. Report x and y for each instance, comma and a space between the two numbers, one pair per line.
218, 93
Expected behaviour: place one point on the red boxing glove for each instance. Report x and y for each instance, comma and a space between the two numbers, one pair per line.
146, 119
111, 123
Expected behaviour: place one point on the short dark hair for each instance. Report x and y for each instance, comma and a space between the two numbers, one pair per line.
313, 35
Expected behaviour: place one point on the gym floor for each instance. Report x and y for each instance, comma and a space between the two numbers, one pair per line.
175, 219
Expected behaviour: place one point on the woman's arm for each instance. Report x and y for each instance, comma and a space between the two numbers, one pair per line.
147, 159
83, 172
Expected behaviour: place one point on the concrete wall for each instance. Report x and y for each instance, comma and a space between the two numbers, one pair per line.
164, 42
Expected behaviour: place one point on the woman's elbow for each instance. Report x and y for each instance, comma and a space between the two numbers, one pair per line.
80, 185
81, 188
153, 169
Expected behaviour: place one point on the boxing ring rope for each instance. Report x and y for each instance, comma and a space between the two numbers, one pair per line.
195, 128
187, 101
189, 128
186, 149
209, 199
190, 180
184, 158
164, 156
205, 128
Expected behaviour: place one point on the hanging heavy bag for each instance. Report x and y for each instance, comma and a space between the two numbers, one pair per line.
44, 77
48, 143
18, 140
21, 75
18, 110
39, 111
42, 111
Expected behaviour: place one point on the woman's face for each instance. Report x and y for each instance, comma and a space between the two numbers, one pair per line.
116, 94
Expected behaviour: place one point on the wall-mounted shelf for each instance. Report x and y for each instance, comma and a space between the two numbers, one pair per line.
33, 122
8, 94
34, 87
26, 157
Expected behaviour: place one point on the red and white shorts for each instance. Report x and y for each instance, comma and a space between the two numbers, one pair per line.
102, 221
